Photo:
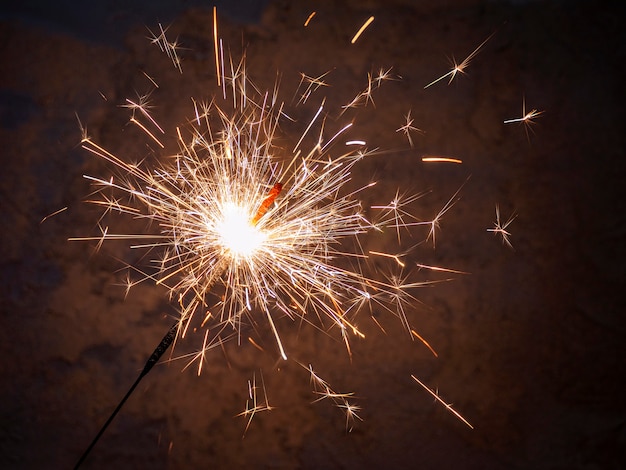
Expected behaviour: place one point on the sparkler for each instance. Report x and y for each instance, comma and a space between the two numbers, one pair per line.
276, 233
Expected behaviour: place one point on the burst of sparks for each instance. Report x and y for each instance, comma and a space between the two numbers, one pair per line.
296, 254
500, 228
57, 212
460, 68
384, 75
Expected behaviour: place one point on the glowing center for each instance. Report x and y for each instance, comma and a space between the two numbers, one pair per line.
236, 231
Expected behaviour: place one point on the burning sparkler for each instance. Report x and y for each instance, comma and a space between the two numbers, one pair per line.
243, 229
274, 233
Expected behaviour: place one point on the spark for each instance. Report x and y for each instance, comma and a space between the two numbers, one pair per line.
218, 71
433, 159
460, 68
152, 80
448, 406
308, 20
255, 344
408, 127
314, 83
253, 404
501, 229
351, 413
430, 348
527, 118
394, 257
373, 82
150, 134
384, 75
435, 223
361, 29
142, 105
399, 296
340, 400
363, 96
63, 209
441, 269
169, 47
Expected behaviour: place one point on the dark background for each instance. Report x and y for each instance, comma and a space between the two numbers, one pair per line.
531, 343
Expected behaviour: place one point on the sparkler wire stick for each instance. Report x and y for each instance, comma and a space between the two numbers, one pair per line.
163, 346
170, 336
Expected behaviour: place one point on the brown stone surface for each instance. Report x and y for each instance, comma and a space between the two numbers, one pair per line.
531, 344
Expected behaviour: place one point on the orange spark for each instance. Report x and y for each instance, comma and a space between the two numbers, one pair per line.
360, 31
448, 406
414, 333
429, 159
215, 43
308, 20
